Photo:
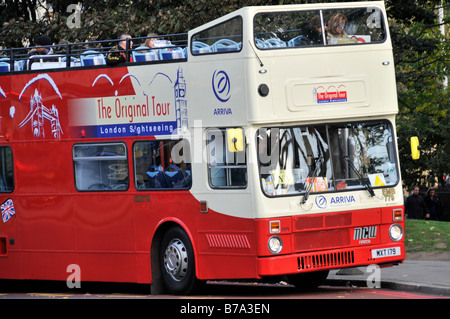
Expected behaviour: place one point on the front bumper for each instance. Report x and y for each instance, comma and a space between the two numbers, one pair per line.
383, 254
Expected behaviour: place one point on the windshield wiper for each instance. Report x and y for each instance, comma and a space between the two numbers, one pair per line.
363, 181
316, 170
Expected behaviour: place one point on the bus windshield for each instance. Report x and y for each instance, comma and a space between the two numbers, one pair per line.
275, 30
322, 158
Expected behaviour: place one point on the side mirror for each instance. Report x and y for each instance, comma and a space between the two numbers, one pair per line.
415, 147
235, 139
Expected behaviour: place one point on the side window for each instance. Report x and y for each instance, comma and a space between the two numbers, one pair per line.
101, 167
357, 25
221, 38
162, 165
287, 29
6, 170
227, 165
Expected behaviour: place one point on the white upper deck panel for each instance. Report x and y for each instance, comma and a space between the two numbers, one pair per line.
331, 78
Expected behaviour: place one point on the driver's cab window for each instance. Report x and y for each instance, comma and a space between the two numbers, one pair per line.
227, 164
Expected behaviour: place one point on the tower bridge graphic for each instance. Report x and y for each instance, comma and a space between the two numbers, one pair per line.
37, 116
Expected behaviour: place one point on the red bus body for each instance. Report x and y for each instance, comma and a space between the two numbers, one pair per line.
116, 235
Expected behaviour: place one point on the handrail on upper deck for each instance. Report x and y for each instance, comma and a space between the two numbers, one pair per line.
73, 54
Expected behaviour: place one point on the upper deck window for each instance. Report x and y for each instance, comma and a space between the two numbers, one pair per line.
221, 38
318, 28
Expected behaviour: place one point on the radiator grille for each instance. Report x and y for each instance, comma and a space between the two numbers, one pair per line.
308, 222
338, 220
322, 221
322, 239
326, 260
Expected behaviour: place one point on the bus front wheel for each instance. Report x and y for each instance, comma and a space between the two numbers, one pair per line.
177, 262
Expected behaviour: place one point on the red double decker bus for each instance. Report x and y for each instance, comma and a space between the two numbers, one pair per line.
256, 145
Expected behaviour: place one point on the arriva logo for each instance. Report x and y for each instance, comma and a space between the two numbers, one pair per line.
335, 201
321, 202
342, 200
221, 85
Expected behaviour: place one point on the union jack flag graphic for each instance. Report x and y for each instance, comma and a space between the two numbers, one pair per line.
7, 210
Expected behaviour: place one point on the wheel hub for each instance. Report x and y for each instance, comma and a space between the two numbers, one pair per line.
176, 259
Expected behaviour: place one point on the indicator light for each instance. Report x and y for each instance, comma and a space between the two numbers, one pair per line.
203, 206
275, 226
397, 215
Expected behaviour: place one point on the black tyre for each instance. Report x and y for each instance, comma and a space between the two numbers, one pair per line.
177, 262
309, 280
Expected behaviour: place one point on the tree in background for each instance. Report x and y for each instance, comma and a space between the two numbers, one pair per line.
421, 53
422, 58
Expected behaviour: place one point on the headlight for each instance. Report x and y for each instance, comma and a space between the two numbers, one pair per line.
275, 244
396, 232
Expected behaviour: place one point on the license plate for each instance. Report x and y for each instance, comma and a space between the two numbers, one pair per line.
386, 252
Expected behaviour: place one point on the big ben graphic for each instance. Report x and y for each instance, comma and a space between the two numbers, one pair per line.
181, 102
